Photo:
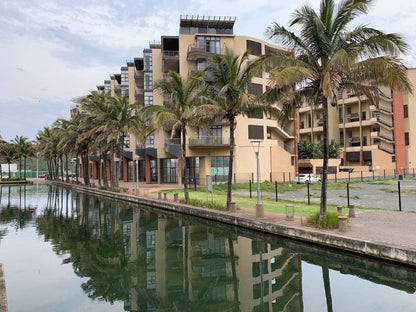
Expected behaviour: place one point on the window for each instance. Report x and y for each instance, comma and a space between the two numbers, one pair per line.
348, 110
255, 89
201, 64
406, 138
147, 56
349, 133
219, 167
124, 77
148, 81
341, 138
209, 44
255, 132
309, 120
148, 98
254, 47
150, 141
340, 115
406, 111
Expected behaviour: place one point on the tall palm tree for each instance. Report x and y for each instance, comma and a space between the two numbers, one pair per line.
330, 55
20, 143
114, 118
231, 76
184, 110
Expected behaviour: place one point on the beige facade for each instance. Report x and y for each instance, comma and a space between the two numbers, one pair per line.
369, 136
207, 151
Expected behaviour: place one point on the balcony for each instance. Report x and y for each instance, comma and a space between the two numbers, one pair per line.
195, 52
173, 146
385, 123
382, 136
169, 55
388, 148
209, 141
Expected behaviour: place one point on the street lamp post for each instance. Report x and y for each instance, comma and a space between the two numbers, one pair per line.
259, 205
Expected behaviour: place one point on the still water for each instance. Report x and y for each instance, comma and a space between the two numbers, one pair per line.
69, 251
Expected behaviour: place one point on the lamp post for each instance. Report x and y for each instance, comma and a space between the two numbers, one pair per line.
37, 165
259, 205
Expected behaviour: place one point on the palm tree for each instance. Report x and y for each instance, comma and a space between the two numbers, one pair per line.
231, 76
183, 111
8, 153
20, 142
112, 118
327, 56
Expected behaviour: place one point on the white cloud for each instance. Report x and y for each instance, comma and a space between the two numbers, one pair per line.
54, 51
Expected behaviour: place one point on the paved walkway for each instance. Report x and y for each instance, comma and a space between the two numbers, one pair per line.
392, 228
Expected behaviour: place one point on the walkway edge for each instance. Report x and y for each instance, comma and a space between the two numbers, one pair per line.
3, 295
306, 234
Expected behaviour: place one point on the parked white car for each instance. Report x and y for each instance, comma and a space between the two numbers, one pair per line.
307, 177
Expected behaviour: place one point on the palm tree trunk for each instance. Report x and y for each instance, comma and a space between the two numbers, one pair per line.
322, 210
99, 170
113, 169
77, 167
67, 165
9, 170
105, 179
62, 167
231, 162
85, 167
327, 286
20, 167
183, 156
25, 168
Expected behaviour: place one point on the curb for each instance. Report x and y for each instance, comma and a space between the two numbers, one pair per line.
364, 247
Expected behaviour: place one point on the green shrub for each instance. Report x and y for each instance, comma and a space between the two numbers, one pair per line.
110, 189
330, 222
202, 203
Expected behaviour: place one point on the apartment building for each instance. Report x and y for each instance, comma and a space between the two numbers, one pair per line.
207, 151
371, 137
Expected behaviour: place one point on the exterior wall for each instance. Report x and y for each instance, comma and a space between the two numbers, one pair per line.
400, 149
410, 122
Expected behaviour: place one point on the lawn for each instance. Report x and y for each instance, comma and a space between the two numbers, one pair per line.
269, 203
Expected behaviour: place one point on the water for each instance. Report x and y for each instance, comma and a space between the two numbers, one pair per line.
68, 251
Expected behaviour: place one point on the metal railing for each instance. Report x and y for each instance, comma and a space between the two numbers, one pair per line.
209, 140
385, 122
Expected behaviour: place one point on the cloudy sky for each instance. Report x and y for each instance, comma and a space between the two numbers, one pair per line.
53, 51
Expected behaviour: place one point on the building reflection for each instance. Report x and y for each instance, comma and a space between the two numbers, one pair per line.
157, 262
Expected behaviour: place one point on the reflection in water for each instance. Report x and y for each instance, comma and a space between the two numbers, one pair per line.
158, 260
154, 262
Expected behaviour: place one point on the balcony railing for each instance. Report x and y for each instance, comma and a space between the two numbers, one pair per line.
385, 122
194, 51
170, 54
209, 141
386, 148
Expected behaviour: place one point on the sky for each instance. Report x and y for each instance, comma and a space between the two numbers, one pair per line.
54, 51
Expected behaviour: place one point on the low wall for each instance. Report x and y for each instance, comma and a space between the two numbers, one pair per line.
302, 233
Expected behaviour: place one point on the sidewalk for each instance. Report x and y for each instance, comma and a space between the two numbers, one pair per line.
380, 233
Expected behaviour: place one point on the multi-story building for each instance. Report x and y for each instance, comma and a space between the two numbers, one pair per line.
371, 137
207, 151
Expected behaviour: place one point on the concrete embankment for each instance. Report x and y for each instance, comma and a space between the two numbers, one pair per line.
371, 242
3, 297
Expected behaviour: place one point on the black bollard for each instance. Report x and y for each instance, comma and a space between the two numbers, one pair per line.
348, 194
275, 188
309, 195
400, 195
249, 185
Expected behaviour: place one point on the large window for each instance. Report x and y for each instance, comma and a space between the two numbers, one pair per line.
255, 132
254, 47
219, 167
148, 81
209, 44
406, 138
150, 141
169, 170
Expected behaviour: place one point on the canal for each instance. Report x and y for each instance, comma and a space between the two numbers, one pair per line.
63, 250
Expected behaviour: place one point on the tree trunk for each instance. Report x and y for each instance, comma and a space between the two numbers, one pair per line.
231, 162
62, 167
77, 167
113, 169
234, 273
66, 165
25, 168
85, 168
322, 211
9, 170
183, 156
20, 167
327, 286
105, 179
